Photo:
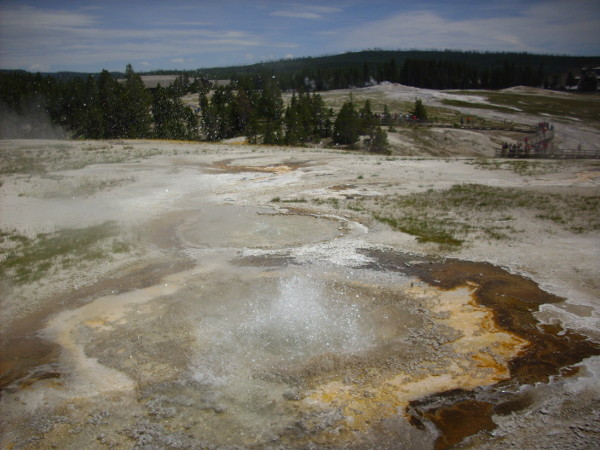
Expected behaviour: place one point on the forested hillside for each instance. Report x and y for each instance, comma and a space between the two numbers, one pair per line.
426, 69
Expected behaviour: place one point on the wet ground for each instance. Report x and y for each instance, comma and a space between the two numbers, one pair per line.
269, 350
267, 326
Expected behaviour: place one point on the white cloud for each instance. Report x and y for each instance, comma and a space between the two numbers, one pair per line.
322, 9
38, 68
302, 11
297, 14
58, 39
547, 27
28, 17
177, 60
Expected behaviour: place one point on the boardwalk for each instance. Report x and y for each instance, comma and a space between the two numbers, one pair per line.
538, 142
541, 145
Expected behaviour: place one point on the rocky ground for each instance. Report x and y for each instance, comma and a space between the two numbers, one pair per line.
124, 264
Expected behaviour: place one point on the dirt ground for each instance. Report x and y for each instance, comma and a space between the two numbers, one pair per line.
190, 295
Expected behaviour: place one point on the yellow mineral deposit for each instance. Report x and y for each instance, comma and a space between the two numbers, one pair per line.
479, 357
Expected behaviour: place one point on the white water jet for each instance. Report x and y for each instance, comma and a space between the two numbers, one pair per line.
302, 318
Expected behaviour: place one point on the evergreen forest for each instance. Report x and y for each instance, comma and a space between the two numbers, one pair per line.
103, 107
432, 69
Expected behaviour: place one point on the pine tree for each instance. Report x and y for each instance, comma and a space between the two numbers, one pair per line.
218, 119
93, 121
321, 117
347, 125
207, 119
419, 111
242, 110
136, 103
172, 119
291, 122
588, 83
367, 119
270, 113
378, 142
109, 105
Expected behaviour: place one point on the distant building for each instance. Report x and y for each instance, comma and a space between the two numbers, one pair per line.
587, 75
152, 81
595, 71
217, 83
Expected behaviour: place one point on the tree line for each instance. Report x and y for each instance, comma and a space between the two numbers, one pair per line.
105, 108
434, 69
429, 74
253, 107
99, 107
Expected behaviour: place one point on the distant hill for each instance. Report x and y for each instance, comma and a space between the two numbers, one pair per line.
436, 69
447, 69
66, 75
478, 60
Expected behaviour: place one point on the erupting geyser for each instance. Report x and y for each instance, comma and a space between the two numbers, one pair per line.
301, 318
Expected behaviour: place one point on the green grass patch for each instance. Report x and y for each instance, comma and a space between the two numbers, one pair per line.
520, 167
465, 211
31, 259
331, 201
16, 162
464, 104
291, 200
426, 229
577, 106
39, 159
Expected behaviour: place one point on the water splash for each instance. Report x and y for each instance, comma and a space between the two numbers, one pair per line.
307, 319
304, 317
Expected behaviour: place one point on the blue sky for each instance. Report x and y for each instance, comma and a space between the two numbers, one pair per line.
91, 35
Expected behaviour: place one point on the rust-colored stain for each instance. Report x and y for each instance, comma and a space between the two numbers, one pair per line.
21, 349
272, 168
460, 420
513, 300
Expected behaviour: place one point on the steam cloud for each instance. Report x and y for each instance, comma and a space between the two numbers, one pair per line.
31, 122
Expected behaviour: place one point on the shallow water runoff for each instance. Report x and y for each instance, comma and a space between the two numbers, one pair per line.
269, 336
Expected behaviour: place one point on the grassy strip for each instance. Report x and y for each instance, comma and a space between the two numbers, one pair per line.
448, 217
463, 104
578, 106
425, 229
31, 259
520, 166
42, 159
292, 200
17, 162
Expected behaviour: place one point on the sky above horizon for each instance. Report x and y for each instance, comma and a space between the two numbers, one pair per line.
91, 35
